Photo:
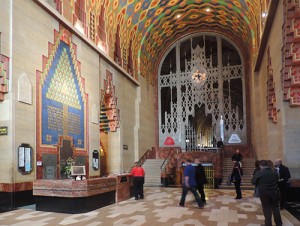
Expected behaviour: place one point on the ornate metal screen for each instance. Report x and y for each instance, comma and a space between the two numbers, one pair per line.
201, 93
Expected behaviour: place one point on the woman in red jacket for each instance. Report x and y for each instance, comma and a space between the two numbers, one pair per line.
138, 174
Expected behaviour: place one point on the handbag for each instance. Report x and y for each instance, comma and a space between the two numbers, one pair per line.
233, 179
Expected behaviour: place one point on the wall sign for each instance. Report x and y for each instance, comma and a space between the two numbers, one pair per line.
25, 159
3, 130
234, 139
95, 162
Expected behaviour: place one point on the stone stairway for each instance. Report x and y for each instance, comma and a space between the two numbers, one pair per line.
248, 168
153, 172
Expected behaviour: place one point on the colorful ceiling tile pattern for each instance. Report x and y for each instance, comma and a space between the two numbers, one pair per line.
153, 25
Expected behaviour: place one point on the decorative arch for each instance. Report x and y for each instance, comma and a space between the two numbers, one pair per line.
189, 108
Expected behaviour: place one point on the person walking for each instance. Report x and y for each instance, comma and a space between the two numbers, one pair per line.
284, 177
189, 184
200, 179
236, 178
138, 174
266, 180
257, 168
237, 157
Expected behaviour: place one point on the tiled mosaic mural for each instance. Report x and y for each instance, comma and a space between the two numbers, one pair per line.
62, 99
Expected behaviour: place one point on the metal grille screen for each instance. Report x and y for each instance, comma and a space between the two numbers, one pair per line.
198, 114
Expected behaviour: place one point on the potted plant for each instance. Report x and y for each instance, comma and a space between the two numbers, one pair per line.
67, 169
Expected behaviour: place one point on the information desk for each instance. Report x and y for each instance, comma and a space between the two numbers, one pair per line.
71, 196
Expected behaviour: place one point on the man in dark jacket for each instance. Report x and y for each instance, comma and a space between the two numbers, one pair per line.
284, 176
266, 181
200, 179
237, 157
189, 184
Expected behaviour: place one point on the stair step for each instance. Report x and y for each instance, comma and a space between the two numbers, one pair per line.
152, 169
248, 168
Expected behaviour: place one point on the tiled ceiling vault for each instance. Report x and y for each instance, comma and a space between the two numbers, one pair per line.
153, 25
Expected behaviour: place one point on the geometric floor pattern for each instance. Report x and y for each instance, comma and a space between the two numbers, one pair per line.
159, 207
294, 208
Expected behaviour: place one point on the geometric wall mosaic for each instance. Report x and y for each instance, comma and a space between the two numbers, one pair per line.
291, 54
4, 75
62, 97
109, 114
271, 94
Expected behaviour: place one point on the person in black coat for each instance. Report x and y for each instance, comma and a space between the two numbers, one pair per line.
257, 168
237, 157
284, 176
236, 178
266, 181
220, 143
200, 179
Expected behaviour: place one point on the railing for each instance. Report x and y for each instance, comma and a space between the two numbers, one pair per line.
208, 149
161, 167
143, 158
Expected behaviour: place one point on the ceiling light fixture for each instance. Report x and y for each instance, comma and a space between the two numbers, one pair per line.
198, 75
264, 14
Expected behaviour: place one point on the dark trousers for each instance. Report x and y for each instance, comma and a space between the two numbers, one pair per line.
200, 188
138, 187
270, 204
282, 193
237, 185
184, 193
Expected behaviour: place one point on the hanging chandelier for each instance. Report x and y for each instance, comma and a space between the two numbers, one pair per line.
198, 75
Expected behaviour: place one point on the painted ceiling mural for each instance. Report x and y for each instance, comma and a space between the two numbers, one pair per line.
153, 25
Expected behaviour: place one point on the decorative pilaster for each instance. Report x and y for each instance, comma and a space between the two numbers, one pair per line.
271, 96
4, 75
291, 52
110, 115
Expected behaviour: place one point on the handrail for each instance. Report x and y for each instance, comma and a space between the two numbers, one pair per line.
207, 149
165, 159
142, 158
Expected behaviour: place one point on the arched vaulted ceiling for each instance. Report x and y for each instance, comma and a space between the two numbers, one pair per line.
153, 25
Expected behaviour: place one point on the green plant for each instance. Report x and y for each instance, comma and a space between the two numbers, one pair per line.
67, 169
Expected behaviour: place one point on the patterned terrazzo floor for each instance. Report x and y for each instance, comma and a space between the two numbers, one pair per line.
158, 208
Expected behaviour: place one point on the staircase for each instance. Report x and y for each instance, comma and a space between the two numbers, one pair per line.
153, 172
248, 168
